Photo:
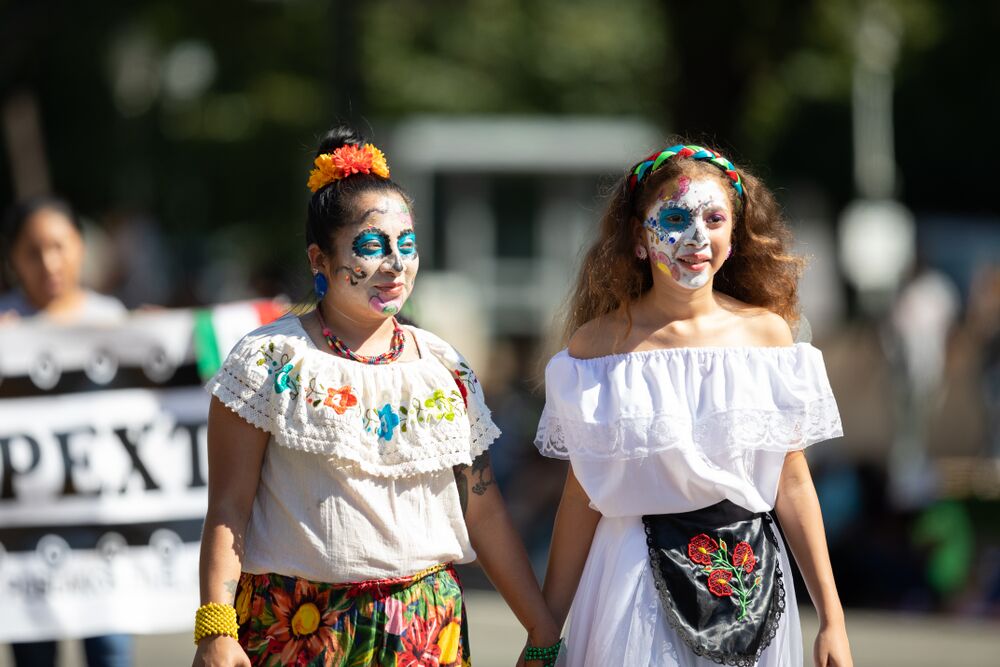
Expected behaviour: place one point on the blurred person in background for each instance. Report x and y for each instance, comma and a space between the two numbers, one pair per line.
348, 464
916, 341
683, 407
44, 250
984, 320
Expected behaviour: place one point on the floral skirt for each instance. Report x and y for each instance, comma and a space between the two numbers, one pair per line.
406, 622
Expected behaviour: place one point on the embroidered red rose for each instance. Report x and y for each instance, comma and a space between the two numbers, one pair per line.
700, 549
743, 557
718, 583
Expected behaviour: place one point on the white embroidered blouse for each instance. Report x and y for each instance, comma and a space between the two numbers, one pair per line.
674, 430
357, 479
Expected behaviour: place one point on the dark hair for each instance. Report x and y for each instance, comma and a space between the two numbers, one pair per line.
18, 214
331, 206
761, 272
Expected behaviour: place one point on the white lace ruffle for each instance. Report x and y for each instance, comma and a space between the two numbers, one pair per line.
705, 400
733, 431
393, 420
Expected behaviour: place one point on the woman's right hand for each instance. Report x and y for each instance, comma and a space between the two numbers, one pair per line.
220, 651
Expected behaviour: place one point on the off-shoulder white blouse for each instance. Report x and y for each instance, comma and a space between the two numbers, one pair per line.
357, 478
674, 430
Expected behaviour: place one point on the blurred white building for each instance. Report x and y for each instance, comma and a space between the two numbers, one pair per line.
505, 206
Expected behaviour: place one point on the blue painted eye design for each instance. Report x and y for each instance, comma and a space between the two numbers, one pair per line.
674, 219
370, 243
407, 243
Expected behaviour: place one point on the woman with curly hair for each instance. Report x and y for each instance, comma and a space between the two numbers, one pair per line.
683, 406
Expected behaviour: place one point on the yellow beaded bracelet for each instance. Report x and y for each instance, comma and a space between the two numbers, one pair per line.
215, 619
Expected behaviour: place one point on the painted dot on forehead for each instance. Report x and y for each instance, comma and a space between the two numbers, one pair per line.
683, 183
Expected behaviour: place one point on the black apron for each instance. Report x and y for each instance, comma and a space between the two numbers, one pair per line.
717, 574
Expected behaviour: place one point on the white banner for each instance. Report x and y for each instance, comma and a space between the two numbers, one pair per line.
102, 496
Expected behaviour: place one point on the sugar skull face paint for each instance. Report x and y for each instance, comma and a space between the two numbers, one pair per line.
375, 260
688, 230
372, 242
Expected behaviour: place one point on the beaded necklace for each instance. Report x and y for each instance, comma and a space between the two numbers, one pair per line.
341, 350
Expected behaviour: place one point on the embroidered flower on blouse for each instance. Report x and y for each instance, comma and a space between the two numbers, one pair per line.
340, 399
461, 387
281, 368
444, 404
283, 380
466, 378
388, 421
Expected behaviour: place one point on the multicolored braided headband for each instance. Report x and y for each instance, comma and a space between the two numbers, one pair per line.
657, 160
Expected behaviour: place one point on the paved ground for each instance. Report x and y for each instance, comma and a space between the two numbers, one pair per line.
878, 640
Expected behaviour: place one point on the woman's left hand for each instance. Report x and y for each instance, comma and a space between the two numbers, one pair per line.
832, 648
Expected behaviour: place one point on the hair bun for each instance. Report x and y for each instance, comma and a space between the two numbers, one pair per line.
340, 135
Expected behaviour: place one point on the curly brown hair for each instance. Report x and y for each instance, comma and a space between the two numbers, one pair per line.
761, 271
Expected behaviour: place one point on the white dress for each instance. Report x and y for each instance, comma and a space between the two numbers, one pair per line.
669, 431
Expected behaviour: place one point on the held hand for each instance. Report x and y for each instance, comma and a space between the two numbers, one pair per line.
220, 651
543, 637
521, 663
832, 648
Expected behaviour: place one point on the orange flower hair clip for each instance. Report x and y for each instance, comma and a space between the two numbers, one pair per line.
345, 161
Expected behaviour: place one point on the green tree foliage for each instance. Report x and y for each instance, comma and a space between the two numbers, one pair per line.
514, 56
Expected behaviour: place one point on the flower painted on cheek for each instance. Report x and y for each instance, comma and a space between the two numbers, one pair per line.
660, 260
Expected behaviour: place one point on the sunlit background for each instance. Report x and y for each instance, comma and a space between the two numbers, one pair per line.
184, 131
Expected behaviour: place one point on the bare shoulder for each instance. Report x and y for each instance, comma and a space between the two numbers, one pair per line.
597, 337
760, 326
771, 329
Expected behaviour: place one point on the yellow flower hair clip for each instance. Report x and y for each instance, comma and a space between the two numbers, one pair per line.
345, 161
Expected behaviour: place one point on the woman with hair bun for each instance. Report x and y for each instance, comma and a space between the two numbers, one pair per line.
348, 464
683, 406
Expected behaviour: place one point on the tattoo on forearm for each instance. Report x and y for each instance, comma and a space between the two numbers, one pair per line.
231, 588
462, 482
482, 474
483, 471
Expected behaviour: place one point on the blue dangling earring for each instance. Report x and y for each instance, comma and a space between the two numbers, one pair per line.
320, 285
